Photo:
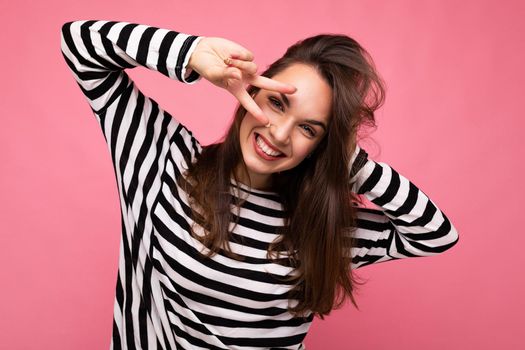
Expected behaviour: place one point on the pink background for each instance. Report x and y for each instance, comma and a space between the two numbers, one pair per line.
451, 123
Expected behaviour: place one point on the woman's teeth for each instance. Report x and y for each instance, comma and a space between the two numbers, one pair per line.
266, 149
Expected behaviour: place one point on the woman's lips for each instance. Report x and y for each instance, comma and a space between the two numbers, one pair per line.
269, 144
261, 153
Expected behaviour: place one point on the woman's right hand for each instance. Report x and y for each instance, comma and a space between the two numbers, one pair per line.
230, 66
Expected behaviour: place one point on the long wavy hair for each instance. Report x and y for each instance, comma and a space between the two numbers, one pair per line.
316, 195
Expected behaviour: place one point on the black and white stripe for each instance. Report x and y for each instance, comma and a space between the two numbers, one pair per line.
167, 295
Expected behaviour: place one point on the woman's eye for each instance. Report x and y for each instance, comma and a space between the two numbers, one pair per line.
275, 102
309, 130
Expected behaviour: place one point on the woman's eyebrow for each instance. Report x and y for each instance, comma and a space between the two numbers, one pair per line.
285, 99
316, 122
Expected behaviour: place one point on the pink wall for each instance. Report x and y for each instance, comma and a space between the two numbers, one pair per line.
451, 123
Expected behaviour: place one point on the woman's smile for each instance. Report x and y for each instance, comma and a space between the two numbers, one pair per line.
265, 149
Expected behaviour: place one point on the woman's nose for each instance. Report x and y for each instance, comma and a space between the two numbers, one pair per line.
281, 129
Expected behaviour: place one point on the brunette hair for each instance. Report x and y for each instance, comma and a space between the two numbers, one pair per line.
316, 195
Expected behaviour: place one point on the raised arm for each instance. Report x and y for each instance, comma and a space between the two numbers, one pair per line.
408, 223
138, 132
135, 127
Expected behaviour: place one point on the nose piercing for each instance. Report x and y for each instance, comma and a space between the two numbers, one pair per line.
268, 125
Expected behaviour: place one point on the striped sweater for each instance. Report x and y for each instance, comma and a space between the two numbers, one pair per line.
167, 295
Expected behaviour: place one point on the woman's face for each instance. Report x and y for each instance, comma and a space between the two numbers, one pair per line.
298, 123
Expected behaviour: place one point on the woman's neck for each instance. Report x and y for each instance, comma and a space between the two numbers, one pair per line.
261, 182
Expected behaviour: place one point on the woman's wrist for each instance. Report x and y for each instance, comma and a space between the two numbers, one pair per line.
191, 61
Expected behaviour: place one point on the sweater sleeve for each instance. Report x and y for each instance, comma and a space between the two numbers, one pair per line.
407, 224
138, 132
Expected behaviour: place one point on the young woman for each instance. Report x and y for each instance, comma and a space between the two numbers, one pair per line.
238, 244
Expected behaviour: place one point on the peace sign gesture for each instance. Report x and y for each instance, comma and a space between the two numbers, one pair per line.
230, 66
